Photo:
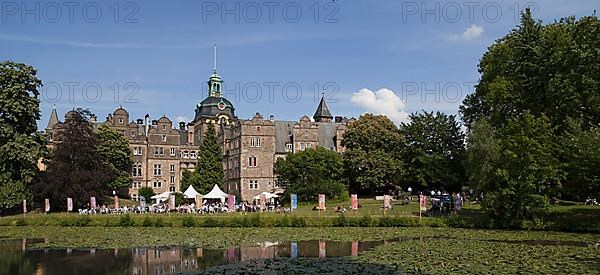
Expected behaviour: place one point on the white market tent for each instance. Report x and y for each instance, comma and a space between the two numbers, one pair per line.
190, 193
268, 196
216, 193
162, 196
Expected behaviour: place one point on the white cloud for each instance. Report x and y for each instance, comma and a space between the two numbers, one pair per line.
471, 33
182, 119
381, 102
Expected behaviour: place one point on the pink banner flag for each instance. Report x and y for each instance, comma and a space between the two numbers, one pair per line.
422, 202
198, 201
47, 205
321, 201
69, 204
92, 202
354, 202
171, 202
116, 201
24, 206
322, 249
387, 201
354, 251
263, 201
231, 203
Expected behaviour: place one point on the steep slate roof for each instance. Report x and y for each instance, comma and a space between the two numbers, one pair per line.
327, 132
283, 132
53, 119
322, 110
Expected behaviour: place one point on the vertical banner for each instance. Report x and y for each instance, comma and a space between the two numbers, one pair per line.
294, 200
92, 202
321, 201
171, 202
354, 202
322, 249
47, 205
422, 203
116, 201
354, 251
263, 201
24, 206
294, 250
387, 202
198, 201
231, 202
69, 204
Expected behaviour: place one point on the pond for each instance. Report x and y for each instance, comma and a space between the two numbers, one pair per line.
19, 257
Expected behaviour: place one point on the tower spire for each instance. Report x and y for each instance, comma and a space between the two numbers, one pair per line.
215, 57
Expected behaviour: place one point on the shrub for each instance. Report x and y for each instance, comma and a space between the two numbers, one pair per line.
159, 222
282, 222
255, 221
454, 221
339, 221
188, 221
146, 222
297, 222
210, 222
20, 222
386, 222
126, 221
365, 221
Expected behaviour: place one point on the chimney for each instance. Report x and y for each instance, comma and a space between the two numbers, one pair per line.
182, 126
272, 117
147, 123
140, 121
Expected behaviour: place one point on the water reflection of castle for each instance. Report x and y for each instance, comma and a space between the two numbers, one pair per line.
166, 260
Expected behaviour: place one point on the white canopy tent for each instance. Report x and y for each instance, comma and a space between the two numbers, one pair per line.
268, 196
216, 193
162, 196
190, 193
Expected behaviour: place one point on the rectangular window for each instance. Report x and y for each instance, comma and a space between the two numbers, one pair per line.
193, 154
137, 151
253, 185
159, 151
302, 146
257, 142
157, 184
173, 152
136, 184
289, 147
185, 155
157, 169
172, 179
164, 138
251, 142
172, 168
252, 162
309, 145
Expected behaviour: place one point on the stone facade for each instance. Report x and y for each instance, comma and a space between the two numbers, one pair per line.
160, 152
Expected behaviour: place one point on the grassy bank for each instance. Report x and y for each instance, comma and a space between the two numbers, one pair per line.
571, 218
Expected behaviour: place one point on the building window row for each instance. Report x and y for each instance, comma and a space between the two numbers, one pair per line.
136, 185
157, 184
190, 154
255, 142
138, 151
304, 146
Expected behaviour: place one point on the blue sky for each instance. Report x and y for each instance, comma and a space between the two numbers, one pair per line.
390, 57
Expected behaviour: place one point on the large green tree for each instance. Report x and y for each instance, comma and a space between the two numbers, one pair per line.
209, 168
580, 151
74, 170
372, 155
20, 145
526, 172
434, 152
483, 151
113, 149
312, 172
541, 69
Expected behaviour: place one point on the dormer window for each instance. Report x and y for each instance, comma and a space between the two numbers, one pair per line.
121, 121
164, 127
164, 138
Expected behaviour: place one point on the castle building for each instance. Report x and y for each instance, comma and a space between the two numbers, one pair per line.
161, 152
